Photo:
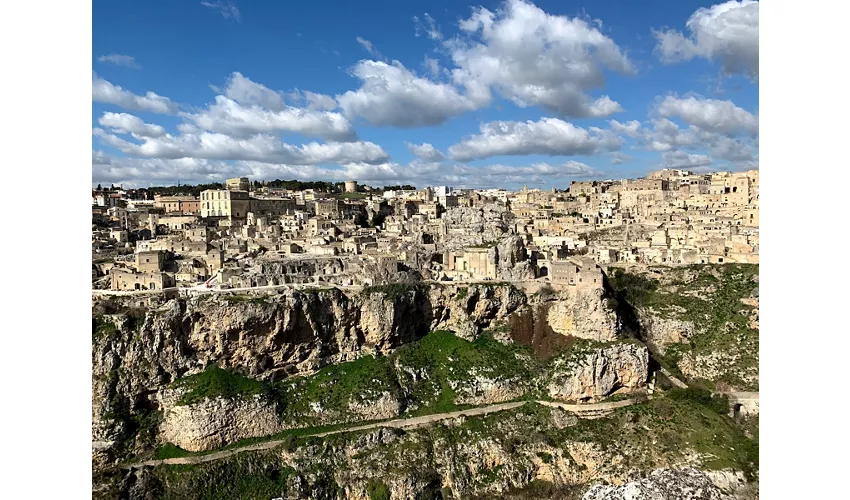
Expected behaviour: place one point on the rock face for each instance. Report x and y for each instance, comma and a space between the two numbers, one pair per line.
583, 313
212, 423
475, 225
269, 336
513, 263
481, 389
597, 373
479, 305
662, 484
385, 406
659, 332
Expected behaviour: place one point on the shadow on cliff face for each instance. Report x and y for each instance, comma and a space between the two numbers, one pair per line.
627, 317
529, 327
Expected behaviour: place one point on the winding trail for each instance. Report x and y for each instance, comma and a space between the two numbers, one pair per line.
399, 423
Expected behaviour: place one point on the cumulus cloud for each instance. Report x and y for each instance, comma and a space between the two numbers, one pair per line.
570, 168
103, 91
138, 172
433, 66
534, 58
710, 114
99, 158
505, 175
714, 130
727, 32
618, 158
125, 123
314, 100
250, 93
229, 117
226, 8
683, 160
120, 60
391, 95
215, 146
426, 152
548, 136
631, 128
248, 108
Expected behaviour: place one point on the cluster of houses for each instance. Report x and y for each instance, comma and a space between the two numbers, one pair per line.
246, 235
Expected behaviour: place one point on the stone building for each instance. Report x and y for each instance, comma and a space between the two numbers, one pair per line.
238, 184
580, 272
127, 279
233, 204
471, 263
185, 205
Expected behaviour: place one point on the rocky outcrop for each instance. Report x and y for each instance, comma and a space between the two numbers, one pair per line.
659, 332
507, 454
593, 374
384, 406
479, 389
213, 423
476, 225
513, 263
582, 313
464, 310
138, 351
715, 365
662, 484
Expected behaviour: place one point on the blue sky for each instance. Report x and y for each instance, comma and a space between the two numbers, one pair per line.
487, 94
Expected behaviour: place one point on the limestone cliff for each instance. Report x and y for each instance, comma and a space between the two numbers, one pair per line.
662, 484
701, 321
138, 352
582, 313
593, 374
213, 423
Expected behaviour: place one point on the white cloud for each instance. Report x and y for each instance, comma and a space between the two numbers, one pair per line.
427, 26
120, 60
231, 118
534, 58
125, 123
265, 148
426, 152
433, 66
136, 172
247, 92
618, 158
226, 8
392, 95
548, 136
249, 108
570, 168
728, 32
317, 101
723, 117
103, 91
683, 160
505, 175
630, 128
673, 142
100, 158
665, 135
370, 48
